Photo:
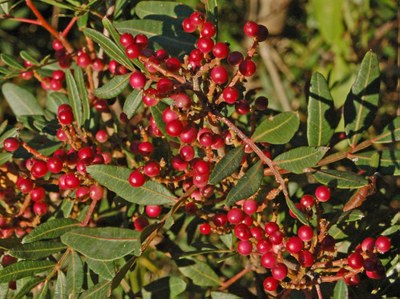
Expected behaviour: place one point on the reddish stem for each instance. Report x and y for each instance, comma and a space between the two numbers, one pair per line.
69, 26
34, 152
89, 213
22, 20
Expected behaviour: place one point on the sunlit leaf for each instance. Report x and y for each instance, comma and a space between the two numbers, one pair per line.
112, 88
227, 165
200, 273
98, 291
340, 179
132, 102
24, 269
166, 8
74, 274
37, 250
341, 290
166, 287
105, 269
10, 61
391, 133
61, 291
74, 97
50, 230
21, 101
28, 286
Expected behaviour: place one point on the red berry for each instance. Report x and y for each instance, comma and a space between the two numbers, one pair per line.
208, 29
98, 65
235, 58
164, 86
65, 117
242, 107
196, 55
188, 26
306, 259
263, 246
39, 169
172, 64
181, 100
205, 44
323, 193
197, 18
257, 232
146, 148
382, 244
137, 80
169, 115
219, 74
11, 144
353, 280
96, 192
25, 185
150, 97
355, 261
205, 229
271, 227
113, 66
294, 245
174, 128
230, 95
153, 211
247, 67
54, 164
101, 136
8, 260
140, 223
268, 260
307, 201
179, 164
250, 206
136, 179
242, 231
58, 75
250, 28
368, 244
71, 181
305, 233
201, 167
57, 45
37, 194
132, 51
270, 284
152, 169
220, 219
262, 33
235, 216
276, 237
378, 273
83, 60
279, 271
82, 191
187, 153
221, 50
244, 247
206, 138
40, 208
126, 39
188, 134
141, 40
261, 103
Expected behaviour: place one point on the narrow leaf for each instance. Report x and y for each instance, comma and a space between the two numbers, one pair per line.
299, 215
122, 272
389, 161
28, 286
74, 97
103, 243
156, 112
37, 250
247, 185
10, 61
168, 8
55, 99
277, 130
103, 268
297, 159
9, 133
362, 102
391, 133
21, 101
340, 179
115, 179
80, 82
28, 57
61, 291
166, 287
321, 114
227, 165
74, 274
24, 269
5, 157
221, 295
112, 88
341, 290
98, 291
200, 273
50, 230
109, 47
132, 102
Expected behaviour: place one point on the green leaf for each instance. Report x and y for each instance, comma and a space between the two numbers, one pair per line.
58, 4
28, 57
10, 61
24, 269
168, 8
51, 230
156, 112
21, 101
74, 274
74, 97
329, 17
98, 291
340, 179
112, 88
390, 134
389, 161
341, 290
5, 7
61, 291
37, 250
321, 113
115, 179
9, 133
5, 157
167, 34
82, 21
80, 82
297, 159
362, 102
247, 185
122, 272
166, 287
354, 215
221, 295
200, 273
277, 130
103, 268
55, 99
109, 47
6, 244
28, 286
299, 215
132, 102
227, 165
103, 243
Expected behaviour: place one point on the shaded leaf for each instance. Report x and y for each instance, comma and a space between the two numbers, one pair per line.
28, 286
11, 61
390, 133
5, 157
200, 273
58, 4
247, 185
132, 102
74, 97
112, 88
354, 215
221, 295
80, 82
61, 290
115, 179
361, 103
122, 272
340, 179
321, 114
166, 287
341, 290
98, 291
103, 243
227, 165
166, 8
299, 215
167, 34
21, 101
37, 250
103, 268
297, 159
74, 274
24, 269
28, 57
109, 47
55, 99
51, 229
277, 130
156, 112
10, 133
389, 161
